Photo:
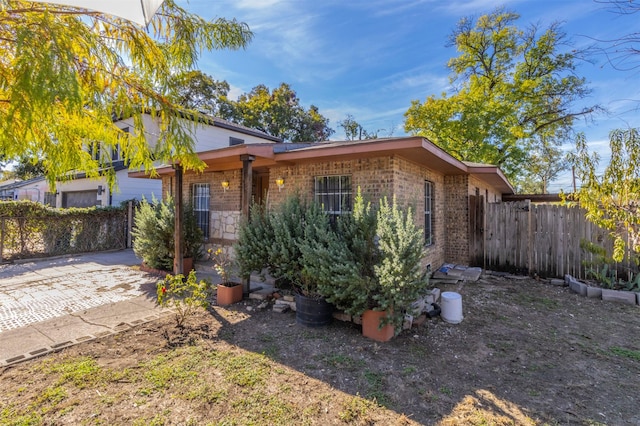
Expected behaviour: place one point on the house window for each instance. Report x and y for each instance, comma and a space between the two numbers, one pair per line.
428, 212
94, 150
235, 141
333, 193
115, 152
201, 197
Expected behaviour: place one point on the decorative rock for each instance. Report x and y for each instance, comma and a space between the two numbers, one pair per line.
419, 305
619, 296
555, 281
357, 319
263, 305
408, 321
280, 308
341, 316
594, 292
257, 296
420, 320
289, 298
436, 295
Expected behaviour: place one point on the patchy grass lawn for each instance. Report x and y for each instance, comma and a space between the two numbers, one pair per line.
526, 353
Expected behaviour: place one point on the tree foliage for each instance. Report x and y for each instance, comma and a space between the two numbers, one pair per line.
513, 88
66, 73
354, 130
278, 112
547, 161
612, 198
199, 91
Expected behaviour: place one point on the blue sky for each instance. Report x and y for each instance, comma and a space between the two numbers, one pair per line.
371, 58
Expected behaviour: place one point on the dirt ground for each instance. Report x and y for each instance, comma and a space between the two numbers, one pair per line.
527, 352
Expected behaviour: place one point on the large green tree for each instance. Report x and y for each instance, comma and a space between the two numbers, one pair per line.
66, 74
612, 197
279, 113
512, 88
196, 90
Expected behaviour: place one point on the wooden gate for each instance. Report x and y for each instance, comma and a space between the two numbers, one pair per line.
476, 230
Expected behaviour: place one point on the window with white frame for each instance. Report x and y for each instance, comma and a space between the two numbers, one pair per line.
201, 199
428, 212
333, 193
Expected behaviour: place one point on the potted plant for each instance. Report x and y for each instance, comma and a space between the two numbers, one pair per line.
399, 276
372, 266
153, 234
227, 291
273, 241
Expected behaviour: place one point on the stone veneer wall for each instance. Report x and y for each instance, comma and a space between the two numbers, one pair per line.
225, 206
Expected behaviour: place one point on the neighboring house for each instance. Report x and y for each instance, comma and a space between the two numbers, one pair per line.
84, 192
448, 195
36, 189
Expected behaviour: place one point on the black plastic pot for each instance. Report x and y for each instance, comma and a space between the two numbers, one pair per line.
312, 312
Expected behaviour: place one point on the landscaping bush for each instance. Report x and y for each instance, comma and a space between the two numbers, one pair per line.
153, 233
32, 229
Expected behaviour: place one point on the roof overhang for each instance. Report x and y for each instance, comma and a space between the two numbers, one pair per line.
492, 175
415, 149
229, 158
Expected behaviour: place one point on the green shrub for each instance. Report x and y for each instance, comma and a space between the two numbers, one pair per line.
153, 233
272, 241
372, 261
185, 296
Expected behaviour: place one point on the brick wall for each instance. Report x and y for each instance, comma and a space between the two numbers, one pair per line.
457, 218
377, 177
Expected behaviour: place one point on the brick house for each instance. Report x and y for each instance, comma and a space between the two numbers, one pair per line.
447, 195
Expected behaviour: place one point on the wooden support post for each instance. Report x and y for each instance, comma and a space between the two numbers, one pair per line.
129, 223
247, 186
177, 235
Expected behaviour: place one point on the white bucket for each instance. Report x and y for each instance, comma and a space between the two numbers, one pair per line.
451, 305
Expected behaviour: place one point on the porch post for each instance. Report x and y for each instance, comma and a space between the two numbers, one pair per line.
247, 185
177, 232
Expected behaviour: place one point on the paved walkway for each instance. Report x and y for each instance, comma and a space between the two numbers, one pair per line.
49, 304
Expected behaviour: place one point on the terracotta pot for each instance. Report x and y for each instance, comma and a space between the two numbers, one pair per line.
228, 295
371, 326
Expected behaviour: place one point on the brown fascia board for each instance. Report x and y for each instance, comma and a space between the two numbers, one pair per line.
222, 159
493, 176
416, 149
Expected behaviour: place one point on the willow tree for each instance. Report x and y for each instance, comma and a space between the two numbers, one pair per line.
611, 197
512, 88
67, 73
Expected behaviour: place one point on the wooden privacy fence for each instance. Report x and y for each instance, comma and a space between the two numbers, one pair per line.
541, 238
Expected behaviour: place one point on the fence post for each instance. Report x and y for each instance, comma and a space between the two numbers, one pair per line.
2, 239
129, 222
530, 242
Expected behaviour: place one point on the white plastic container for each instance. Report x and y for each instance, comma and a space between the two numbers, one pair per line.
451, 305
